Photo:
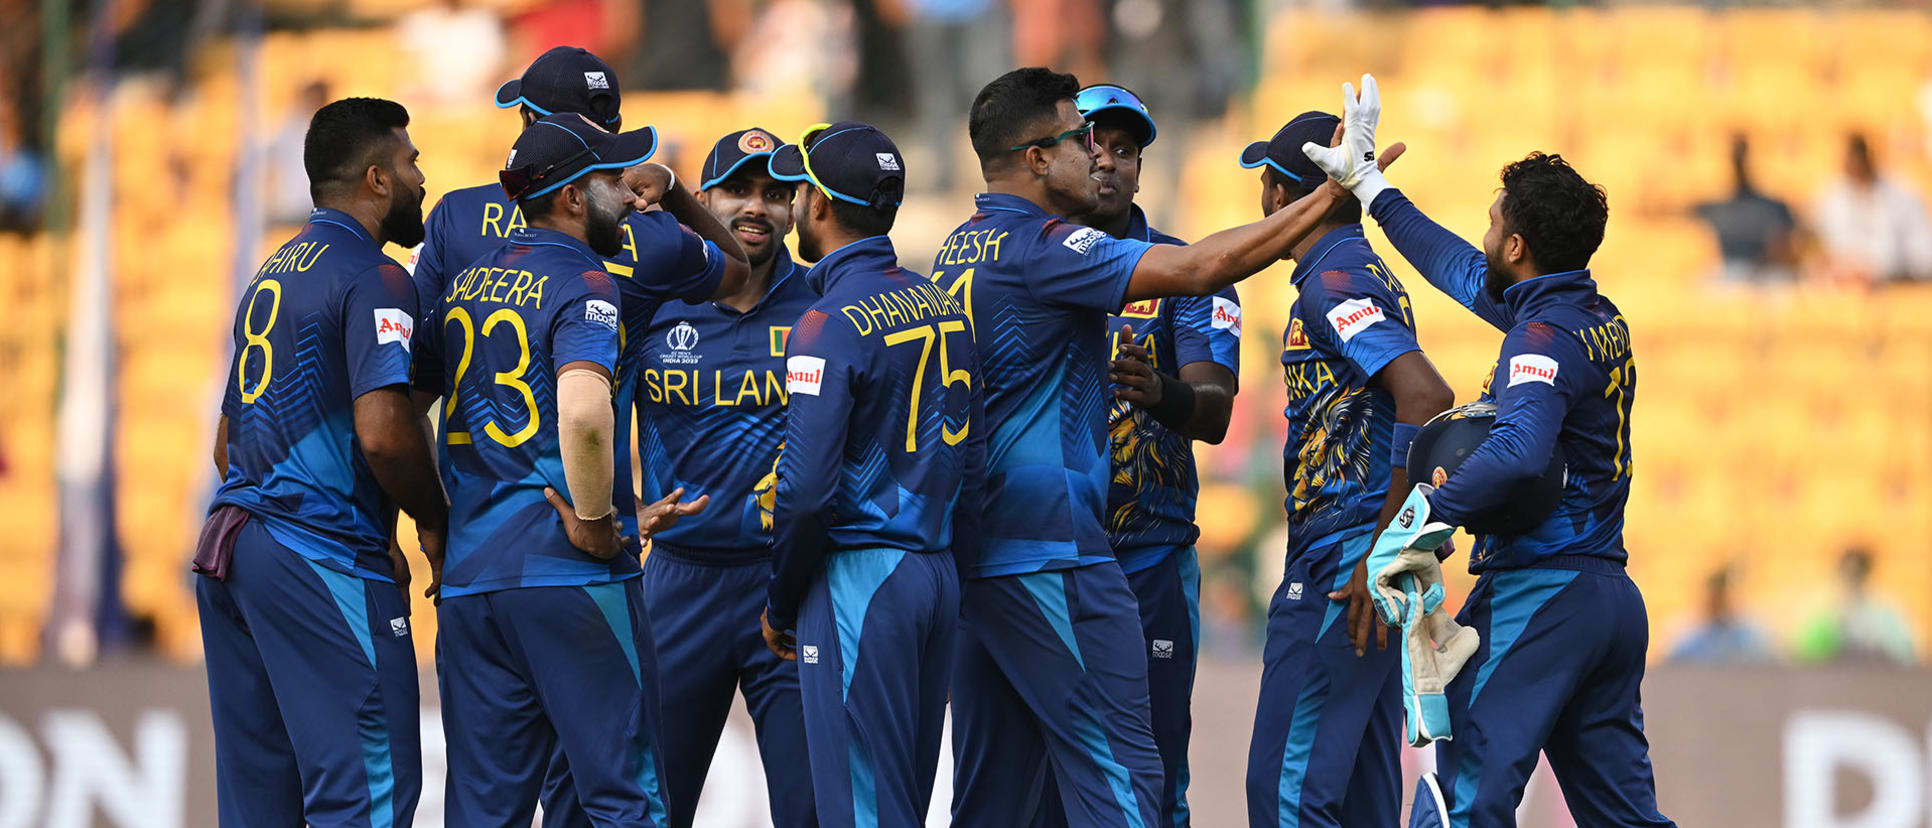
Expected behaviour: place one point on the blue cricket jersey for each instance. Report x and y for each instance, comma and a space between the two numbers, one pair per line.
1350, 319
711, 412
1038, 290
884, 443
510, 320
661, 260
326, 319
1152, 493
1566, 375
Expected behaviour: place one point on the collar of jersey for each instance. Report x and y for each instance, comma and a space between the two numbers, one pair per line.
829, 268
325, 215
1137, 226
783, 267
1524, 294
1007, 203
546, 237
1326, 245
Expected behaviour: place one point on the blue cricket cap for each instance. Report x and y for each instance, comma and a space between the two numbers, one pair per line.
1102, 98
848, 161
734, 151
1283, 152
558, 149
565, 79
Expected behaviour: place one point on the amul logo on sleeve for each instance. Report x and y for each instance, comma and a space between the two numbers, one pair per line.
804, 374
1354, 316
1227, 316
393, 325
1531, 368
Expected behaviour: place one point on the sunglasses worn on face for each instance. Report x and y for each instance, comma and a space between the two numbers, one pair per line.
1084, 132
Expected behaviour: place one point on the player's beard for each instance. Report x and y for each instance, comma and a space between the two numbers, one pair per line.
604, 229
403, 222
1496, 280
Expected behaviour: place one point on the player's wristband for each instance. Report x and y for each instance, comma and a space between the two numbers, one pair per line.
673, 184
1399, 440
1177, 402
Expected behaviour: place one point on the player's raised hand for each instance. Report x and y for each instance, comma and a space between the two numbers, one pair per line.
651, 182
1351, 162
780, 642
665, 513
598, 538
1133, 372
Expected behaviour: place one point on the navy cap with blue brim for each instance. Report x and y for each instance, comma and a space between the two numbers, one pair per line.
565, 79
1283, 154
735, 151
1106, 98
848, 161
558, 149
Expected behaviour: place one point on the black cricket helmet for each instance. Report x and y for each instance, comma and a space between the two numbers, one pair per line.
1450, 437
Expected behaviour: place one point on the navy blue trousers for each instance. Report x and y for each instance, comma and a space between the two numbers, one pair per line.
312, 681
875, 637
1051, 678
1328, 726
709, 647
1559, 672
550, 681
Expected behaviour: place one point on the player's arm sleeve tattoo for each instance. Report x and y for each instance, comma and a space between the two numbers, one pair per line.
1536, 374
1454, 266
818, 381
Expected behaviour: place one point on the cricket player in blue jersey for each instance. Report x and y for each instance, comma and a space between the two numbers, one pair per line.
1563, 628
544, 643
879, 487
711, 412
680, 252
304, 614
1175, 361
1329, 722
1051, 669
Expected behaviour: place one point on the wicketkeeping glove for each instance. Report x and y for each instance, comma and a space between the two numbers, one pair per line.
1408, 592
1352, 164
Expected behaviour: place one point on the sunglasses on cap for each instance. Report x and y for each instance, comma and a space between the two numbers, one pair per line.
1105, 96
805, 155
1084, 132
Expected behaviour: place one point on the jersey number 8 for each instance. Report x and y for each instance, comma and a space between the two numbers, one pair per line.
252, 340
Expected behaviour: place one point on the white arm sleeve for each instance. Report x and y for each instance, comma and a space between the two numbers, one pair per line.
586, 428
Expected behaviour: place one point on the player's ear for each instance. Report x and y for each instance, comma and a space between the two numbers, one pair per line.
376, 179
1036, 160
1515, 250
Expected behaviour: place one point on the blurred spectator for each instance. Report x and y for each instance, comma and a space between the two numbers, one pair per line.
679, 50
961, 44
23, 177
798, 48
458, 54
288, 182
1860, 629
1756, 233
1873, 227
1724, 637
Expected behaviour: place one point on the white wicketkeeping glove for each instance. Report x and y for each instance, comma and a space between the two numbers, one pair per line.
1352, 164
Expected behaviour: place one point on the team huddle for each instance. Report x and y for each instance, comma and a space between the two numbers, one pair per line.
871, 494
